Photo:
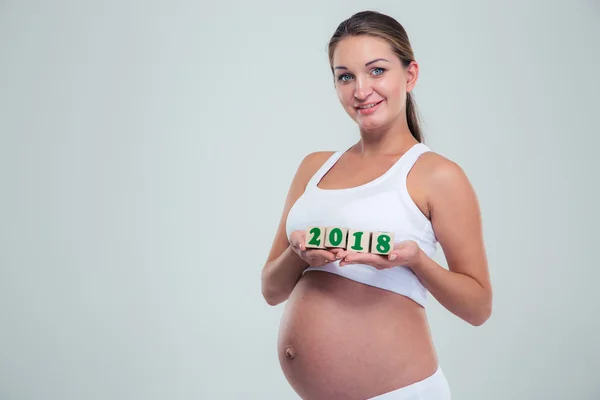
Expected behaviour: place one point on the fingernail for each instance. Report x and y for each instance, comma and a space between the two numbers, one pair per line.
393, 256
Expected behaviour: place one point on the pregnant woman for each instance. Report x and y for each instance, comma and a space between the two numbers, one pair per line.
355, 324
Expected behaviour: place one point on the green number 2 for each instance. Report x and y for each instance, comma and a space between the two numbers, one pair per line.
316, 232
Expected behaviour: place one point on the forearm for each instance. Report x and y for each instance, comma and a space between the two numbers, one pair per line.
458, 293
279, 276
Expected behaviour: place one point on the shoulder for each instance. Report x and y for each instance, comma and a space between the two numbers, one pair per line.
440, 176
311, 163
308, 167
317, 158
445, 181
438, 169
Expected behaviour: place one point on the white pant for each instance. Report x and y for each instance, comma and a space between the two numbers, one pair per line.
434, 387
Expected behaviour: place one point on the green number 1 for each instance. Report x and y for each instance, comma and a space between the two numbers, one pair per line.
357, 240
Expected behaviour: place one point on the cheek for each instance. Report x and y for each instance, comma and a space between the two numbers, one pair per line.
401, 95
396, 92
399, 90
388, 88
344, 94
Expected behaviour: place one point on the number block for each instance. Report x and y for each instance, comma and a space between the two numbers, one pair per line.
315, 237
358, 241
382, 243
336, 237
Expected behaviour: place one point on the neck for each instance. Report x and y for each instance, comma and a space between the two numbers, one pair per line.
385, 141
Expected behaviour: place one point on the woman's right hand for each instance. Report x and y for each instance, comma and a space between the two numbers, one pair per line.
314, 257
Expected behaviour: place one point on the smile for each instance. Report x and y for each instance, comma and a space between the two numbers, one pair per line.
368, 108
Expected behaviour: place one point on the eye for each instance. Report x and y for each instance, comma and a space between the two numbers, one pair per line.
342, 77
378, 69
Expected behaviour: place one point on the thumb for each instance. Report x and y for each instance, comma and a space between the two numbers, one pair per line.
297, 239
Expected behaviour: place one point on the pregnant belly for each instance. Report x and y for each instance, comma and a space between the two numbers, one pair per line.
340, 339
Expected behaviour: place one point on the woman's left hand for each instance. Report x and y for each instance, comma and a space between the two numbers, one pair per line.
405, 253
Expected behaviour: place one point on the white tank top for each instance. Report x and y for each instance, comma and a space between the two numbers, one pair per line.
380, 205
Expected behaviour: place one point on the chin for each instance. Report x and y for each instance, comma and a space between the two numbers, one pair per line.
370, 123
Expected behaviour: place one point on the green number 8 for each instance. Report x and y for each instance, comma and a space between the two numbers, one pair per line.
383, 243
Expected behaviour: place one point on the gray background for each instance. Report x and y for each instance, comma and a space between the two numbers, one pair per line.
145, 154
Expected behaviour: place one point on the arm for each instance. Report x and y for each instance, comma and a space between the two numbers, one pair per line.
279, 276
284, 267
464, 289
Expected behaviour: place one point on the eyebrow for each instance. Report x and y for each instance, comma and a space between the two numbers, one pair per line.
366, 65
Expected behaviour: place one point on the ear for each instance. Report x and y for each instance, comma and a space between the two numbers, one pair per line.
412, 74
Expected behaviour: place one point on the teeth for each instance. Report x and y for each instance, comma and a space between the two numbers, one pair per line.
368, 106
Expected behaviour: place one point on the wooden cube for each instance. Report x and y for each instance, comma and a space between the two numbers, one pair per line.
336, 237
315, 237
382, 243
358, 241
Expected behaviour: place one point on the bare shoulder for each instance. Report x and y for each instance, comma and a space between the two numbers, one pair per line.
437, 172
431, 162
313, 161
421, 179
442, 175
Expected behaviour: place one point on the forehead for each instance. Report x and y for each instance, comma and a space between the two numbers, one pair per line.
361, 49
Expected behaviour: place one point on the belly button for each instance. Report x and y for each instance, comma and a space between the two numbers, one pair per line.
290, 353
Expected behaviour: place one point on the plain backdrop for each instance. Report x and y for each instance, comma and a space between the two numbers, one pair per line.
146, 149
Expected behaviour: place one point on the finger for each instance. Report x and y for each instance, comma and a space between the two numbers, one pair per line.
403, 252
341, 254
319, 260
343, 257
351, 257
297, 239
325, 254
300, 245
385, 260
317, 254
375, 260
354, 256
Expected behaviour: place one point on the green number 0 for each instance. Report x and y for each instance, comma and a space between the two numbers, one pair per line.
335, 237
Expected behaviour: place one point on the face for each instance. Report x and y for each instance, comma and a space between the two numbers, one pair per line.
371, 82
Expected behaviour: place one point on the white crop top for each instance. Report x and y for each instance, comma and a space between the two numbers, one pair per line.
380, 205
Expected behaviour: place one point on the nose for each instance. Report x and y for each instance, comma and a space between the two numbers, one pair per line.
363, 89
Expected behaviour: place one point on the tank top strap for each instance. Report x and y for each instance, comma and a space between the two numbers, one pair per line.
410, 158
316, 178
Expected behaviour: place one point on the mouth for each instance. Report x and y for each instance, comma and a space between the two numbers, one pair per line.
368, 108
